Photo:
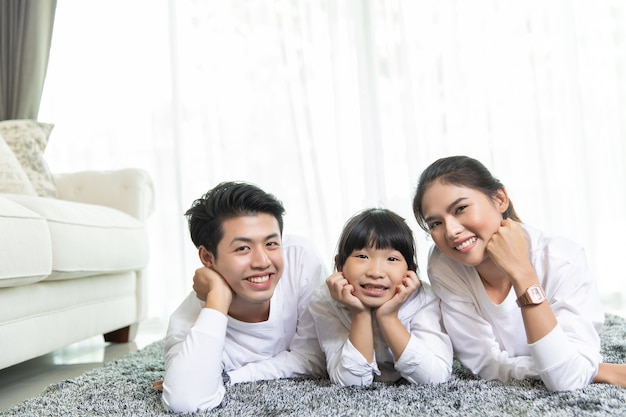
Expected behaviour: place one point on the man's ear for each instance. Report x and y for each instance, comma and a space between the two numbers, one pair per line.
501, 200
206, 257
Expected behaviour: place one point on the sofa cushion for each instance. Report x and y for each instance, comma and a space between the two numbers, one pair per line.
28, 140
89, 239
25, 251
13, 179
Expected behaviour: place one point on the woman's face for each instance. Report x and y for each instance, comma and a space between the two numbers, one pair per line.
462, 220
375, 274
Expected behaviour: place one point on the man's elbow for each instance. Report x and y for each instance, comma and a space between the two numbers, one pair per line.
185, 402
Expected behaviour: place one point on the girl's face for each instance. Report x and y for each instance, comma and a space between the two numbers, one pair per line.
374, 274
462, 220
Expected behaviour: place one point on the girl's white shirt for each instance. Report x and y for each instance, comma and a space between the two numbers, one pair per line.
490, 340
201, 343
427, 357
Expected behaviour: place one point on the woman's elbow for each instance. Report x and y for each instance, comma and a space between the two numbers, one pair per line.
576, 375
568, 384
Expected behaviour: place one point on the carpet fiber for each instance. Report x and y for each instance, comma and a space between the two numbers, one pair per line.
124, 387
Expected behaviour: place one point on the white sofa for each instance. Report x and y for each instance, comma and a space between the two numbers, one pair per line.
73, 267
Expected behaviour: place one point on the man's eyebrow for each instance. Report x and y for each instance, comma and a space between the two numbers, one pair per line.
249, 240
448, 209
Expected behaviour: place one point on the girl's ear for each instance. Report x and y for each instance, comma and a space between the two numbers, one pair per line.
206, 257
501, 200
337, 266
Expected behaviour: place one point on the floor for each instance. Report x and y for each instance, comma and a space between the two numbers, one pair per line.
30, 378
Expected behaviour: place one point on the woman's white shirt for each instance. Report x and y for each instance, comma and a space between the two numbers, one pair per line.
490, 339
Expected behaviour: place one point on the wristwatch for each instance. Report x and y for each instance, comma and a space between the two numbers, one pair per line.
532, 296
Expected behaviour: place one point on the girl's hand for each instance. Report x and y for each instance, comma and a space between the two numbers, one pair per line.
342, 291
508, 248
409, 284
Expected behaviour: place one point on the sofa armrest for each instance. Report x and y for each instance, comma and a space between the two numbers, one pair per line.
129, 190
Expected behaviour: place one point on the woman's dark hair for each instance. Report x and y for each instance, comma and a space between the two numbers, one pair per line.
380, 229
462, 171
226, 201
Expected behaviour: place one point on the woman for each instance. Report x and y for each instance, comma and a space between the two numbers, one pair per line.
516, 302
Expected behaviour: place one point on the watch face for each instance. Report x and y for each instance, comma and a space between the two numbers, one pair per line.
535, 294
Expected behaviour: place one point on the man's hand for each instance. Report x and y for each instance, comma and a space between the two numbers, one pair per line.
342, 291
213, 289
409, 284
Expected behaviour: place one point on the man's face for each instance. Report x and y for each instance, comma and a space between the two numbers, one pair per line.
250, 258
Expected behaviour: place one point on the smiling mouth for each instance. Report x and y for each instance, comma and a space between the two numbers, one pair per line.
469, 242
259, 280
372, 287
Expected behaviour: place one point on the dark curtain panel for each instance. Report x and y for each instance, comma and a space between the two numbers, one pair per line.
25, 37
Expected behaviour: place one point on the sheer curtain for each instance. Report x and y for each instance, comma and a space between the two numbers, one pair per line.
338, 105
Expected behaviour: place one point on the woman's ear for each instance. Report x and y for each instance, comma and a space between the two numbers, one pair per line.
501, 200
206, 257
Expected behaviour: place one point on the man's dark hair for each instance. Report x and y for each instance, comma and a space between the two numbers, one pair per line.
226, 201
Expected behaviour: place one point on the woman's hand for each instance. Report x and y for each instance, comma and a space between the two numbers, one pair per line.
342, 291
508, 248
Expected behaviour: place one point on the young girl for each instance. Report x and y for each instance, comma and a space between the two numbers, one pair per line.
516, 302
373, 316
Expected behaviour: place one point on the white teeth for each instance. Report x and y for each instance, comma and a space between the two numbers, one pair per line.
465, 244
258, 280
373, 287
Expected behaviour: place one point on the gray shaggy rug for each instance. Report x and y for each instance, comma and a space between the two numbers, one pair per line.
124, 387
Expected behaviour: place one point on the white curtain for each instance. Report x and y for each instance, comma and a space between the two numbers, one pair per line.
338, 105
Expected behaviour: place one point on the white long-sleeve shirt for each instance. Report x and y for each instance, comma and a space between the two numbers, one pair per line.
201, 343
427, 357
490, 340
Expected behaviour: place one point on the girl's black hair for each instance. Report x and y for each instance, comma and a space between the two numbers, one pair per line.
462, 171
380, 229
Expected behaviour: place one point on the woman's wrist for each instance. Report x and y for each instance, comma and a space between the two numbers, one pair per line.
522, 279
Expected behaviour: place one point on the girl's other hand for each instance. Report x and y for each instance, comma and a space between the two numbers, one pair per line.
410, 283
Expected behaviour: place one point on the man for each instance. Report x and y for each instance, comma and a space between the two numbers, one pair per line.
248, 318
